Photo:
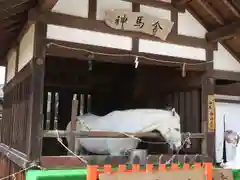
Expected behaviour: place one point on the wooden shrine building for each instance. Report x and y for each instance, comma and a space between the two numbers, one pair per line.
110, 55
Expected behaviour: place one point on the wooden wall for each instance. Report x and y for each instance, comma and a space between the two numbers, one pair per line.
17, 91
14, 126
188, 105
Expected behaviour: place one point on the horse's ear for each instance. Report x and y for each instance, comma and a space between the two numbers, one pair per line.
173, 111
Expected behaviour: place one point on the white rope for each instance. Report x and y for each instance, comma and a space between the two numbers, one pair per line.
126, 55
13, 175
69, 150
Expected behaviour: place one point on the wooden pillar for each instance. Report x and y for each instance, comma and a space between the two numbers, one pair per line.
6, 73
17, 58
208, 144
35, 125
135, 41
174, 18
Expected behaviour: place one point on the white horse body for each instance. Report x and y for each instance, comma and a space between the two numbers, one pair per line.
133, 121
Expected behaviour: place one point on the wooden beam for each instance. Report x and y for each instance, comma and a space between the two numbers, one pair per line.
36, 97
11, 9
135, 41
17, 58
92, 9
53, 162
11, 22
46, 5
180, 4
197, 17
109, 134
230, 5
100, 26
236, 4
211, 11
231, 51
230, 89
226, 75
223, 100
224, 32
15, 29
208, 84
70, 50
6, 74
174, 18
19, 77
156, 4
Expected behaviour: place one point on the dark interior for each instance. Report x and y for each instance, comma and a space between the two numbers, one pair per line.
115, 86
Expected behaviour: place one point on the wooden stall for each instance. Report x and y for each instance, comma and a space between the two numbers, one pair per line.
70, 54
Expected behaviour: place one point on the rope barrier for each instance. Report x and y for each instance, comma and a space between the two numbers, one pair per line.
136, 57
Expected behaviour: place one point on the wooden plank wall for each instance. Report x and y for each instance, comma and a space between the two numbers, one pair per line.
188, 105
14, 127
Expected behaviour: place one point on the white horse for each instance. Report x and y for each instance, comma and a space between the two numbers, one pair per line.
167, 122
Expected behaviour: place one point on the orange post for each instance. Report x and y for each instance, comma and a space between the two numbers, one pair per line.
162, 167
208, 170
149, 167
121, 167
135, 167
107, 168
186, 166
92, 173
174, 166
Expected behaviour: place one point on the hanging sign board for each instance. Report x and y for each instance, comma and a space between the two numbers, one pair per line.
187, 174
211, 114
138, 22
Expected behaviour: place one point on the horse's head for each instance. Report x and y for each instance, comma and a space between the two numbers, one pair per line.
171, 130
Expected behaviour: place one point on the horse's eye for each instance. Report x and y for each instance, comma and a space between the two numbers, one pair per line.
177, 129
